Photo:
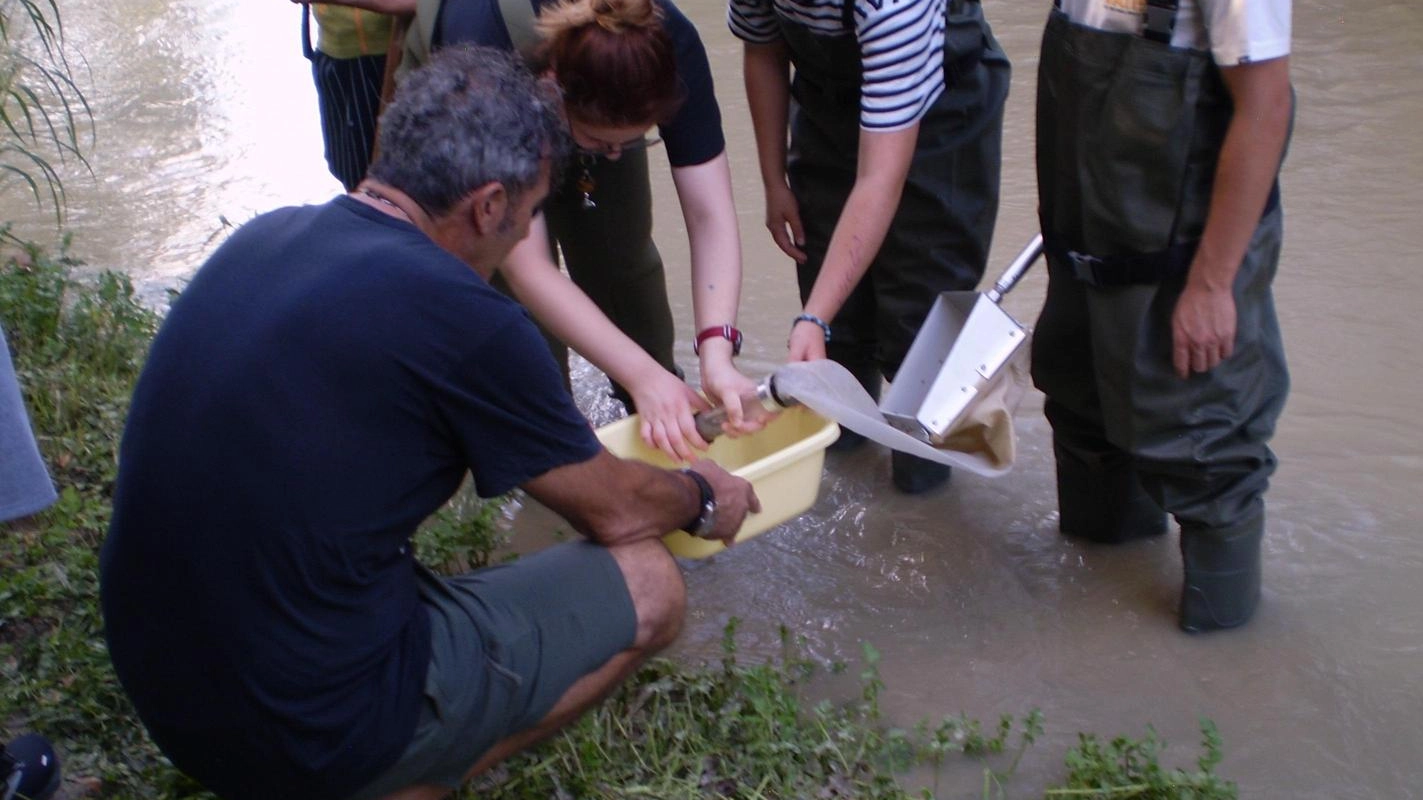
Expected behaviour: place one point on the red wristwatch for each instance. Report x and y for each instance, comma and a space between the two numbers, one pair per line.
724, 331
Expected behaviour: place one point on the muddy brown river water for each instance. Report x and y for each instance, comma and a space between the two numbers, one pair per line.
205, 117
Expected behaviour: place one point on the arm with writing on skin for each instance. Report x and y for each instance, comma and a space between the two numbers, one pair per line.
1204, 320
884, 160
883, 167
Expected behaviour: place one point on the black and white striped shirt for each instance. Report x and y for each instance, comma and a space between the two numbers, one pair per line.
901, 48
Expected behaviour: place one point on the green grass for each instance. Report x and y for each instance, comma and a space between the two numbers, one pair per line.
732, 728
1130, 769
77, 350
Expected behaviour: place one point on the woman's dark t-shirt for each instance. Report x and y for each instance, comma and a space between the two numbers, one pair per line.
694, 136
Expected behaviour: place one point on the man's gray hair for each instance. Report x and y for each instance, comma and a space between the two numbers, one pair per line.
470, 116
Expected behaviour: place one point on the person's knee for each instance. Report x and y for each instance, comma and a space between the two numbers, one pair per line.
658, 592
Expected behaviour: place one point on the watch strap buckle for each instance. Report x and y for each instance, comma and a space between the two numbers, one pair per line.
727, 332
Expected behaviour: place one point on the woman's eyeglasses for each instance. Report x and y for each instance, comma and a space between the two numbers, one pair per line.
602, 148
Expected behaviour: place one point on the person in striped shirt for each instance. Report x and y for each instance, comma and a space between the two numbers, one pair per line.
887, 192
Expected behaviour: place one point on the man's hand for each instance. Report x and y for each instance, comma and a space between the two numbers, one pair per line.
1204, 321
1202, 329
734, 499
616, 501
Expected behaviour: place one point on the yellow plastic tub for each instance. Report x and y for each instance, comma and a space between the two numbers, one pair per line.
783, 461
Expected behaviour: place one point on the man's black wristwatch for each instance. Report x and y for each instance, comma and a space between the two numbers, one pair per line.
705, 519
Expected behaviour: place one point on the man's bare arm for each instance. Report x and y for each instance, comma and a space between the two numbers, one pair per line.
1203, 325
615, 501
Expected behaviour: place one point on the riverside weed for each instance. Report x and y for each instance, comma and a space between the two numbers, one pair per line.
1130, 769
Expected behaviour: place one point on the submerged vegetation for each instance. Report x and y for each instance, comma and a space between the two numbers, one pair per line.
730, 729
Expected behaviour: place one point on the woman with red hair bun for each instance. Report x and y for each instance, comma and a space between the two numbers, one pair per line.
623, 67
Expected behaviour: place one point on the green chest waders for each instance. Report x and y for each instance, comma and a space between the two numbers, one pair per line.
939, 238
609, 251
1129, 132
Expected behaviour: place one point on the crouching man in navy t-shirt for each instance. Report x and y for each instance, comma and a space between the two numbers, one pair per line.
323, 385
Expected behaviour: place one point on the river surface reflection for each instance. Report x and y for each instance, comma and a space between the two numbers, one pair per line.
206, 117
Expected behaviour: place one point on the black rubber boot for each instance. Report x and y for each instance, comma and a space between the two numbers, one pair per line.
849, 441
1221, 585
869, 377
915, 475
1102, 500
29, 769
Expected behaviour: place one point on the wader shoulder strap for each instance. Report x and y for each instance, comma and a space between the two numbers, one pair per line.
415, 46
519, 18
306, 48
421, 36
394, 60
1160, 20
847, 15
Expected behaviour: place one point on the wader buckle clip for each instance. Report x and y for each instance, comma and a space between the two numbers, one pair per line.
1086, 268
1160, 20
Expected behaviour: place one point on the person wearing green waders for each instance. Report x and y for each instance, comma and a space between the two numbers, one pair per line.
888, 190
1161, 126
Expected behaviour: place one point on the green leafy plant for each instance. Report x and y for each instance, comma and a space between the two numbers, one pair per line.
963, 735
42, 109
463, 535
79, 346
1130, 769
728, 730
